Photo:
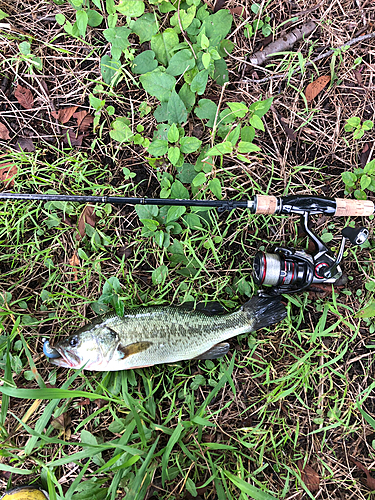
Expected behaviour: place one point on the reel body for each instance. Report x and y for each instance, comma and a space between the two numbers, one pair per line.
290, 271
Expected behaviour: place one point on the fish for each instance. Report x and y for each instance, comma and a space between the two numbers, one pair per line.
148, 336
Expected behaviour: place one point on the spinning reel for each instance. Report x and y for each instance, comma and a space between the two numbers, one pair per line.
290, 271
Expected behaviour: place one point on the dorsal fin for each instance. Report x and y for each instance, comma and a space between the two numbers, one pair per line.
210, 308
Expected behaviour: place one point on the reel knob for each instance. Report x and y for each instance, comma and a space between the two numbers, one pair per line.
356, 236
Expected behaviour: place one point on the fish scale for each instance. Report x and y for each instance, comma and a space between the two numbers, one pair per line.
153, 335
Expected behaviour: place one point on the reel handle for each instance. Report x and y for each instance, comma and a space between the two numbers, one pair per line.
298, 204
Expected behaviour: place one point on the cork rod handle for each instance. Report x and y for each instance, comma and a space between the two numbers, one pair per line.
265, 204
344, 207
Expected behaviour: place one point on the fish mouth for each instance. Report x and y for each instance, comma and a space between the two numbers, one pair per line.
61, 357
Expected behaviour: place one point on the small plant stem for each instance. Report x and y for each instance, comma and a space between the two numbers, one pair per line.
217, 113
182, 31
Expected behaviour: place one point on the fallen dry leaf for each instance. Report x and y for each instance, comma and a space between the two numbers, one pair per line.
4, 132
24, 97
73, 140
358, 76
25, 144
370, 481
87, 217
8, 171
239, 11
64, 114
83, 120
309, 476
289, 131
75, 263
62, 422
315, 87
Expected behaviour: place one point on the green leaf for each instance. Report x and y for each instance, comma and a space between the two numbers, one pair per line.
186, 173
178, 190
158, 84
206, 59
367, 125
174, 213
176, 109
224, 47
163, 43
186, 17
161, 112
234, 135
221, 149
109, 68
60, 19
349, 178
159, 275
118, 38
354, 121
256, 122
131, 8
217, 26
150, 224
365, 181
158, 148
182, 61
368, 311
187, 97
370, 167
215, 187
173, 154
173, 134
3, 15
247, 147
192, 221
239, 109
144, 62
145, 27
82, 20
94, 19
25, 48
121, 131
360, 195
189, 144
206, 110
199, 179
247, 133
199, 82
221, 74
260, 108
146, 211
159, 238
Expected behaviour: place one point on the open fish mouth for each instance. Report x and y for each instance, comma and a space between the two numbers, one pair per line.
60, 357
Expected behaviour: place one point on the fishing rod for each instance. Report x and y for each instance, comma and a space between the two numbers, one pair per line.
286, 270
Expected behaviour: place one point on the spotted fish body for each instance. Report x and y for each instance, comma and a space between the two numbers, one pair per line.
153, 335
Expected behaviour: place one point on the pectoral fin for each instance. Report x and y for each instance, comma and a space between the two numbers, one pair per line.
135, 348
217, 351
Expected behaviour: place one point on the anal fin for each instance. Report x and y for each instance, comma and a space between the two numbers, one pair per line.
217, 351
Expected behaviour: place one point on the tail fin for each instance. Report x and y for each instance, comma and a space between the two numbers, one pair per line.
264, 311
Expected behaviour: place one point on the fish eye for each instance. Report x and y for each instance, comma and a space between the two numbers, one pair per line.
74, 341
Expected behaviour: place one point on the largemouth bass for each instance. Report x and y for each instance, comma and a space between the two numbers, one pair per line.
153, 335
